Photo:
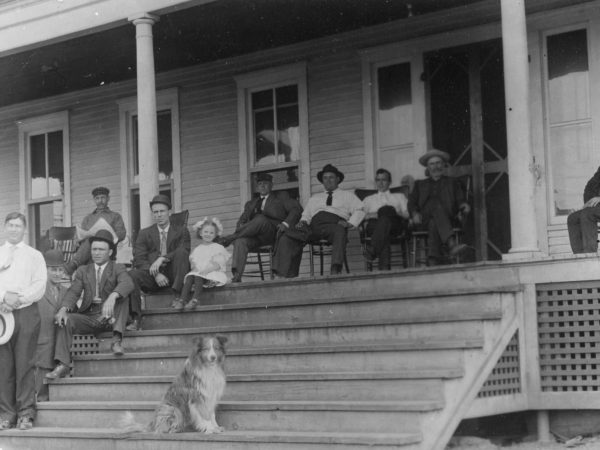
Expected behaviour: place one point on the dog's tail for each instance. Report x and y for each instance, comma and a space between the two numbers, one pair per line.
129, 425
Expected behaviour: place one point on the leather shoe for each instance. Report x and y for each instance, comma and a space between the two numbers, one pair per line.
236, 278
5, 425
59, 371
178, 304
117, 348
25, 423
336, 269
457, 249
134, 325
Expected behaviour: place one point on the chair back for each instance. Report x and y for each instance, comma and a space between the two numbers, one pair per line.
180, 218
65, 240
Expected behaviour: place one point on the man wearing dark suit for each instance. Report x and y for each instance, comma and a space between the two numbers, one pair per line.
160, 257
106, 286
583, 223
435, 202
263, 217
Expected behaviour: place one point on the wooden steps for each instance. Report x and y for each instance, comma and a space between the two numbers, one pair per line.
341, 362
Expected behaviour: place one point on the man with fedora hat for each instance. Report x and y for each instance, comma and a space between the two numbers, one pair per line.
160, 257
262, 218
327, 215
105, 286
48, 306
22, 284
101, 218
435, 203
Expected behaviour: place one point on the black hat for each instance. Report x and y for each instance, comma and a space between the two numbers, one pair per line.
331, 169
161, 198
54, 258
101, 190
103, 236
263, 176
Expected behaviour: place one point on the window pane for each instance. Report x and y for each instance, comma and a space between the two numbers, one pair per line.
264, 137
37, 146
571, 151
395, 105
288, 145
42, 217
262, 99
286, 95
568, 76
56, 177
165, 146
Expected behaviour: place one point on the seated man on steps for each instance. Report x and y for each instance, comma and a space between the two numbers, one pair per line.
328, 215
434, 203
102, 218
160, 257
105, 286
583, 223
263, 217
387, 215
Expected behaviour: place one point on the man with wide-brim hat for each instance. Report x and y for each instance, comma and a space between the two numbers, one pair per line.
104, 287
263, 217
327, 215
100, 218
48, 306
436, 204
160, 257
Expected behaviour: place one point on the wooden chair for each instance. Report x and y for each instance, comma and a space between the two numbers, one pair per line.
257, 258
65, 240
322, 248
180, 218
419, 247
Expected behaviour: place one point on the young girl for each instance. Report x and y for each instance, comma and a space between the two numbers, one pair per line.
208, 261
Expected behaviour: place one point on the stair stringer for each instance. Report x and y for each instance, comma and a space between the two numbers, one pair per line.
438, 427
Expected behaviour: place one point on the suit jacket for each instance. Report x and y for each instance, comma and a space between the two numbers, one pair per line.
592, 187
114, 279
451, 195
48, 306
276, 210
147, 245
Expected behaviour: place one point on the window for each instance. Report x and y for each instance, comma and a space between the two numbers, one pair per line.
44, 174
273, 130
569, 121
167, 119
394, 107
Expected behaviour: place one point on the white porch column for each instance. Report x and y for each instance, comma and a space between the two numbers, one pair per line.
146, 106
521, 182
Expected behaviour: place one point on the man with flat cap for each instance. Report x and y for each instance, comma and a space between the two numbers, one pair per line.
160, 257
263, 217
327, 215
102, 218
435, 203
106, 287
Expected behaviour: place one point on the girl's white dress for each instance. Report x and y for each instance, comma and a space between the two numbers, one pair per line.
203, 255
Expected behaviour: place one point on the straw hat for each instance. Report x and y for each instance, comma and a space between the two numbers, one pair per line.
7, 326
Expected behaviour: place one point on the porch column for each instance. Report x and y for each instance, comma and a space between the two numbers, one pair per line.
146, 107
521, 183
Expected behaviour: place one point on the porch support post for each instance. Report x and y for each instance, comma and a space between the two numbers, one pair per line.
543, 426
146, 109
521, 182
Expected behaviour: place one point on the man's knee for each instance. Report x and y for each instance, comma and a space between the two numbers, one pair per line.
573, 218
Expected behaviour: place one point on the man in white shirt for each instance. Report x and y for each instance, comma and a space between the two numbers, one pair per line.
387, 215
23, 278
327, 215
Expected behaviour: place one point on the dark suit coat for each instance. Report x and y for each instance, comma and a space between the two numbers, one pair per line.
592, 187
276, 210
114, 279
48, 306
451, 197
147, 245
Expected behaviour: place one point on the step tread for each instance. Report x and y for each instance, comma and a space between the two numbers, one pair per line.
372, 346
256, 405
226, 436
283, 376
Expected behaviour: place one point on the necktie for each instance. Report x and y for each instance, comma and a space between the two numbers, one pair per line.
259, 206
329, 198
163, 243
98, 275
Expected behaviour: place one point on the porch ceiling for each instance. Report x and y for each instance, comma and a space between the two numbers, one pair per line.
197, 34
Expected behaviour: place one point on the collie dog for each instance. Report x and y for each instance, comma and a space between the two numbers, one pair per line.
190, 402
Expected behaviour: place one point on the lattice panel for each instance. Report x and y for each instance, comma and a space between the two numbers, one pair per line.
84, 344
568, 324
505, 379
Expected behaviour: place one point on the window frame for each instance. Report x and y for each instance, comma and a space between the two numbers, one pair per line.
263, 80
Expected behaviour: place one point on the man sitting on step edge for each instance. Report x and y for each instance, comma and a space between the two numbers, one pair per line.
106, 287
161, 257
263, 217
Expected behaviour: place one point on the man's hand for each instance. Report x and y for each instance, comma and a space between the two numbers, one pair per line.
282, 227
300, 225
12, 299
417, 219
592, 202
61, 317
5, 309
161, 280
108, 308
155, 267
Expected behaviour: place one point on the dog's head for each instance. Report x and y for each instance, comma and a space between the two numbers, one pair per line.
209, 349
